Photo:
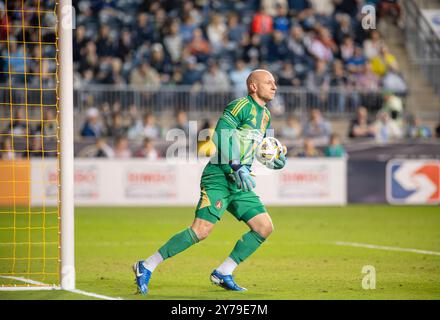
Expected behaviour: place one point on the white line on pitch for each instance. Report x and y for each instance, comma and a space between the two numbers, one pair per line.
90, 294
48, 287
372, 246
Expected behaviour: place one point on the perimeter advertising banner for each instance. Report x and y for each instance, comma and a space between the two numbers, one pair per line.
104, 182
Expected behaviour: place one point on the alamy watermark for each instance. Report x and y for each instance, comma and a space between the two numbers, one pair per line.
369, 280
67, 17
369, 17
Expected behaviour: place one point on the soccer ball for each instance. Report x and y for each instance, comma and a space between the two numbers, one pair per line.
268, 150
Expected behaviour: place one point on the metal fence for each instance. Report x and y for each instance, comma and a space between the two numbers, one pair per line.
422, 43
298, 101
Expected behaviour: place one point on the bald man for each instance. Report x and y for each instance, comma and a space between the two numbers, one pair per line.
226, 185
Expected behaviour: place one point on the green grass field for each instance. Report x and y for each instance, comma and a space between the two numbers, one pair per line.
298, 261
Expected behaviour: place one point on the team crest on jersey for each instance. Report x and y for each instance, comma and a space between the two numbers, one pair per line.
219, 204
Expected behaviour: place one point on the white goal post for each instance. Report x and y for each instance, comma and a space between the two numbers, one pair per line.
65, 24
64, 260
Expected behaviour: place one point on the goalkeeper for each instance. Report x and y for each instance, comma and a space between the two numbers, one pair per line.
227, 184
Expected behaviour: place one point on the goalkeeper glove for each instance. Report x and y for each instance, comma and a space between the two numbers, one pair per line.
242, 176
278, 163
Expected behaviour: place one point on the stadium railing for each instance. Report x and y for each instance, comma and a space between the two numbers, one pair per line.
298, 101
422, 42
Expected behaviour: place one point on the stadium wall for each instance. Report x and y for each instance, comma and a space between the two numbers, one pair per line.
135, 182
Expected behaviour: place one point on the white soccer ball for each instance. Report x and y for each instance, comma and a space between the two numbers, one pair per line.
268, 150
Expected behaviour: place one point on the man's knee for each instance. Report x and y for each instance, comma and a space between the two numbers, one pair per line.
265, 230
202, 228
262, 225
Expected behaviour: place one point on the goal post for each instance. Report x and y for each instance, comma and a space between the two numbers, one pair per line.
36, 146
66, 144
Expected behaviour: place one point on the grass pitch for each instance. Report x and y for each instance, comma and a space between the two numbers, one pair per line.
299, 261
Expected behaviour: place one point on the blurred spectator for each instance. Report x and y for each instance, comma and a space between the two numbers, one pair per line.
271, 7
343, 28
309, 150
93, 127
182, 122
36, 148
238, 78
349, 7
262, 23
126, 45
317, 128
416, 129
147, 151
145, 75
361, 126
121, 148
252, 49
391, 8
366, 80
160, 62
205, 146
277, 50
393, 105
98, 150
192, 75
292, 129
215, 80
335, 148
393, 81
144, 30
318, 82
356, 63
15, 61
381, 62
187, 28
117, 126
215, 31
173, 42
322, 46
287, 76
20, 125
387, 129
235, 29
338, 81
199, 47
347, 48
146, 128
106, 46
437, 131
281, 21
296, 42
372, 45
7, 152
49, 125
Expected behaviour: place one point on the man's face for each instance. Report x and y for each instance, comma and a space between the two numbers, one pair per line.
265, 86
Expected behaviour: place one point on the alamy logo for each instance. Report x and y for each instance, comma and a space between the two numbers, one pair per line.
369, 18
369, 280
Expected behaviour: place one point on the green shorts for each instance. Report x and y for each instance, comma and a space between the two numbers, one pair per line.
220, 193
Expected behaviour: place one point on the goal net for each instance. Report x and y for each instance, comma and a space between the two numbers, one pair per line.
30, 135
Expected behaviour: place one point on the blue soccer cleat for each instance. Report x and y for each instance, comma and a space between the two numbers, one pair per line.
143, 276
226, 282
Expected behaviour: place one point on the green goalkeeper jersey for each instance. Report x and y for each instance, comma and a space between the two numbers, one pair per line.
239, 130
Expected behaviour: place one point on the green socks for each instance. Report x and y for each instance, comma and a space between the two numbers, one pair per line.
180, 242
246, 246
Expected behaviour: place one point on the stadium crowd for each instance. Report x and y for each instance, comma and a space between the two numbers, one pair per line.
213, 45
